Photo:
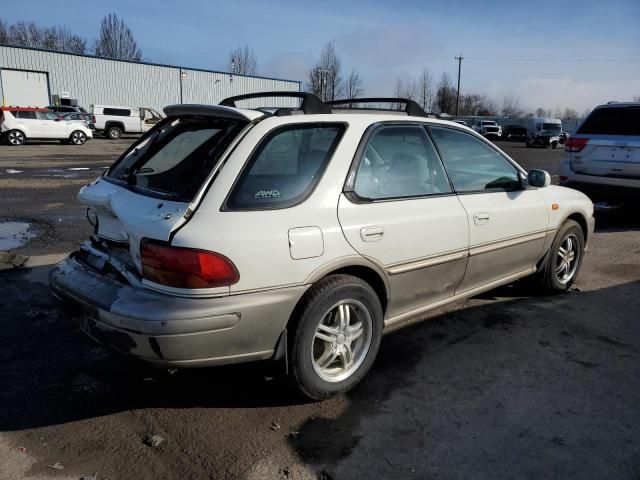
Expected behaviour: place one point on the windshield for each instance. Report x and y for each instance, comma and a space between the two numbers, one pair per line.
490, 124
622, 120
552, 127
175, 157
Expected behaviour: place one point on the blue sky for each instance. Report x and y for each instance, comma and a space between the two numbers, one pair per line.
546, 53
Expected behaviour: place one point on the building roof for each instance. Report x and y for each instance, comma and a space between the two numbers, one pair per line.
146, 63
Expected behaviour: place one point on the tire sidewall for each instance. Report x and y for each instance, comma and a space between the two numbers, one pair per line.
551, 279
302, 368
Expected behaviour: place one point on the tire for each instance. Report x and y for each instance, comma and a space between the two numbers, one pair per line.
323, 359
554, 145
77, 137
550, 278
114, 133
527, 143
16, 138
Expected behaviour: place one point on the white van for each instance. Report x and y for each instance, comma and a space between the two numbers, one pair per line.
114, 121
542, 131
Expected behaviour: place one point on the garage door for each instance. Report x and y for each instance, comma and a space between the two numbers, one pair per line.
24, 89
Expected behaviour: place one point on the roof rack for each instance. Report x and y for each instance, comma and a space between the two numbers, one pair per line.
411, 108
310, 103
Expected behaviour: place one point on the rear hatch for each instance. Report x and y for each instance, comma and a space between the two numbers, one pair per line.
149, 191
608, 143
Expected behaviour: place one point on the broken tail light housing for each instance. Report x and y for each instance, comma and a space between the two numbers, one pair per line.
575, 144
185, 267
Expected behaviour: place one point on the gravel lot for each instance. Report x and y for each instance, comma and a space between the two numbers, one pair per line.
506, 385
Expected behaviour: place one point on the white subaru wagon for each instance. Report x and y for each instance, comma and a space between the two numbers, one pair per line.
302, 235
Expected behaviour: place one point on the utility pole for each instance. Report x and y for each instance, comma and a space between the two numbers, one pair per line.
460, 58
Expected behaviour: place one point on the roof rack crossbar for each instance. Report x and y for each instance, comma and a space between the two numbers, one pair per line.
310, 103
411, 107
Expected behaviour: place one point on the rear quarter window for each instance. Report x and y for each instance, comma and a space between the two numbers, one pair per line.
612, 121
285, 167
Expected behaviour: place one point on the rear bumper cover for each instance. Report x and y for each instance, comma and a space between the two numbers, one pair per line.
173, 331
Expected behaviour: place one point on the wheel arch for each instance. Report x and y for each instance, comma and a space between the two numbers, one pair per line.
114, 123
580, 219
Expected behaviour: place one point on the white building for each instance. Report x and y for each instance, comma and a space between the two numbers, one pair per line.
32, 77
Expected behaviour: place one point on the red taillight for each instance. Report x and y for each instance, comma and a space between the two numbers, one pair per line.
186, 267
575, 144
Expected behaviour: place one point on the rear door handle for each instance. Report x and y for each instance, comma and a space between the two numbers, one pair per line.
371, 234
481, 218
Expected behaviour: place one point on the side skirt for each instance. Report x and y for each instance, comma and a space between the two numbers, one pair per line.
413, 316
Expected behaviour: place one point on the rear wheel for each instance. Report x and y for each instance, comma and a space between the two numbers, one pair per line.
114, 133
77, 138
16, 137
336, 337
564, 258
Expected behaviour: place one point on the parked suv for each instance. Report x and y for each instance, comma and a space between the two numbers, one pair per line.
228, 235
602, 158
17, 125
114, 121
488, 128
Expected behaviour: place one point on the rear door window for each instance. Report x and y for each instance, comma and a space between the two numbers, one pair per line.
285, 167
400, 161
176, 157
26, 115
612, 121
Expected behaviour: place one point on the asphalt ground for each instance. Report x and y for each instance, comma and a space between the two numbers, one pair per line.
510, 384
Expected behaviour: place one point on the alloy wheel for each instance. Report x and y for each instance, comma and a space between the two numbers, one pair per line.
78, 138
16, 138
341, 341
567, 258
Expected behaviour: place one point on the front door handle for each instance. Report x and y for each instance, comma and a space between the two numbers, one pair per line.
481, 218
371, 234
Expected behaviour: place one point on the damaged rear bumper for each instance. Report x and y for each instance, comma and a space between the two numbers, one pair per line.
173, 331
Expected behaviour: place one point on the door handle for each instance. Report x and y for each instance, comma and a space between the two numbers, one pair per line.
371, 234
481, 218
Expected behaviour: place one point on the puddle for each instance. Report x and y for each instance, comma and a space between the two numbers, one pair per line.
15, 234
78, 168
11, 170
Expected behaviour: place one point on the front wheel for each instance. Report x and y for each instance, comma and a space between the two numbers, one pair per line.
564, 258
336, 337
16, 137
77, 138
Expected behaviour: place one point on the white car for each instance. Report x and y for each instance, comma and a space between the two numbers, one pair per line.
113, 121
18, 125
230, 235
602, 158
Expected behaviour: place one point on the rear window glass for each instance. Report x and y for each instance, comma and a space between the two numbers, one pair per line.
286, 166
26, 115
118, 112
612, 121
176, 157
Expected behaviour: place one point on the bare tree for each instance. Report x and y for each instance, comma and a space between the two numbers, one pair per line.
325, 79
511, 107
28, 34
353, 85
570, 114
243, 61
475, 104
541, 112
425, 90
116, 40
445, 95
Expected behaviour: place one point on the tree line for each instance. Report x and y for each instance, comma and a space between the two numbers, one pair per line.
115, 39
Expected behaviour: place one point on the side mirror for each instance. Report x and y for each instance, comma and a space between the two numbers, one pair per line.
538, 178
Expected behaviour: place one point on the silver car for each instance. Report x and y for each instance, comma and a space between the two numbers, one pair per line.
302, 235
